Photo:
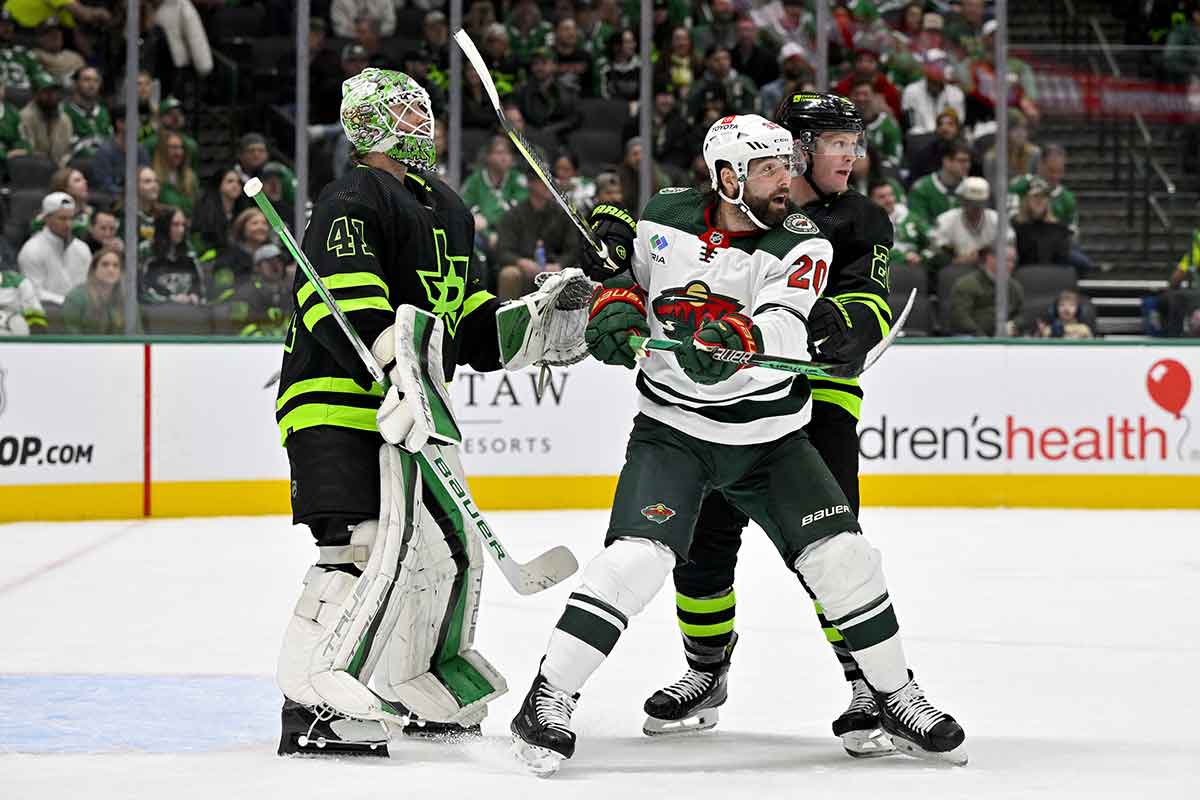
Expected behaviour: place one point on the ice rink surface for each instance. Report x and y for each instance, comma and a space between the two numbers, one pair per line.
137, 660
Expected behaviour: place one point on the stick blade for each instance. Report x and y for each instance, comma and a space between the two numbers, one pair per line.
549, 569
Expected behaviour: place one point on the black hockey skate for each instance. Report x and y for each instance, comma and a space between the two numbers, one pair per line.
689, 705
324, 732
917, 728
440, 731
859, 727
541, 730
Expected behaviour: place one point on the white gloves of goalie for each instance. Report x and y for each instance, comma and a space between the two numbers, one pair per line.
416, 407
546, 326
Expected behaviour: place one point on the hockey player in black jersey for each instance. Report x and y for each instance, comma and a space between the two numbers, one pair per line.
382, 633
850, 318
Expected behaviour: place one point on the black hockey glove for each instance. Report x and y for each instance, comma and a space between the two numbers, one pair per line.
829, 330
616, 314
732, 332
615, 229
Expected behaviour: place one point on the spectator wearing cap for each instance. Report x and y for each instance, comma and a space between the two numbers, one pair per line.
923, 100
262, 301
171, 119
546, 104
177, 179
934, 194
345, 13
671, 131
527, 31
574, 65
495, 187
866, 68
90, 121
53, 258
60, 61
928, 159
1041, 238
1023, 155
17, 64
619, 70
108, 164
43, 123
931, 38
96, 305
279, 185
435, 39
187, 41
720, 27
973, 297
749, 57
12, 143
35, 13
416, 65
1021, 88
741, 95
252, 156
794, 71
882, 131
963, 233
168, 270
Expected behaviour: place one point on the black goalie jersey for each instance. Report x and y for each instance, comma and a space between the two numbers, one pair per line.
861, 235
378, 242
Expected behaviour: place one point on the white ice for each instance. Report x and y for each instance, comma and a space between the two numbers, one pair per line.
1067, 644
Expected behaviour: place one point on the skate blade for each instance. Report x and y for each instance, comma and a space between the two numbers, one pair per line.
955, 758
706, 719
541, 761
873, 743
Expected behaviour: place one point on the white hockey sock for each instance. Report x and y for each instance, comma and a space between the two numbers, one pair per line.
617, 584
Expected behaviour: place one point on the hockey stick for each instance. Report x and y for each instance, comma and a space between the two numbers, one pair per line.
643, 346
542, 572
527, 150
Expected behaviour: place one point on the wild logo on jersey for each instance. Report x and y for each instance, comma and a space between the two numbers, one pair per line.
682, 310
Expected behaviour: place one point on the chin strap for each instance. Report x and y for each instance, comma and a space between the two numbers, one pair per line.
741, 205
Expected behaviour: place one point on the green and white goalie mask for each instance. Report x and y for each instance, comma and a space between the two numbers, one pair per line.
385, 111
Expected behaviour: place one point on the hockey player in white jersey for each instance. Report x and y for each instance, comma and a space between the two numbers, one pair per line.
734, 268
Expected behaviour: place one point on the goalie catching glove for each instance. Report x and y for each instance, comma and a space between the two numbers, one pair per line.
734, 332
616, 315
546, 326
614, 228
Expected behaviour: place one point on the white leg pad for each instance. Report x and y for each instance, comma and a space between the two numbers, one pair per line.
846, 574
429, 664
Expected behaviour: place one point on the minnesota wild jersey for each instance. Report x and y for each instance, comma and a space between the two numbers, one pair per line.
693, 272
378, 242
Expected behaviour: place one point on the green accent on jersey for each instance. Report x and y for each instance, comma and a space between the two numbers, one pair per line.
705, 605
880, 261
715, 629
321, 311
873, 302
475, 301
852, 404
344, 280
344, 385
321, 413
340, 240
289, 336
683, 210
780, 241
445, 283
832, 635
443, 417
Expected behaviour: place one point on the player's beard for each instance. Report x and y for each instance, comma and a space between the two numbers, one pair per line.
765, 212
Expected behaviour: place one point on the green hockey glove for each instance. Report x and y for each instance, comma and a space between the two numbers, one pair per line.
615, 315
731, 332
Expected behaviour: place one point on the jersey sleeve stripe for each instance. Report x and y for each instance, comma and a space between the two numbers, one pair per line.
320, 312
473, 302
342, 281
309, 416
852, 404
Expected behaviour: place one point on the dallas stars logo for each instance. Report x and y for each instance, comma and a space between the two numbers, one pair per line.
445, 284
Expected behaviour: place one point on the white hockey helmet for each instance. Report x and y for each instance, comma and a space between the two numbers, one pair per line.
738, 140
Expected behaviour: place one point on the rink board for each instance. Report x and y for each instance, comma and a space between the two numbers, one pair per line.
128, 429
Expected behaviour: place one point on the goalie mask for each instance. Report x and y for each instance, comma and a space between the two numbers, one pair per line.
384, 111
736, 141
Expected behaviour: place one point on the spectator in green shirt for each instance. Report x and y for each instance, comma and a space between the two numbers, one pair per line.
90, 121
96, 306
171, 118
178, 185
973, 298
12, 143
527, 31
494, 188
934, 194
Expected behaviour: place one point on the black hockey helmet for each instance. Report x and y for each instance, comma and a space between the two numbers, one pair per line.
809, 114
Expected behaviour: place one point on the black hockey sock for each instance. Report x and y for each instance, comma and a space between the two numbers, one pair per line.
707, 626
840, 649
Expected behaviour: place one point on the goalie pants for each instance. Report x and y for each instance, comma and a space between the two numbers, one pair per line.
335, 480
704, 584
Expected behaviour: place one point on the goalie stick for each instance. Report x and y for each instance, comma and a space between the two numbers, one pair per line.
542, 572
527, 150
643, 346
